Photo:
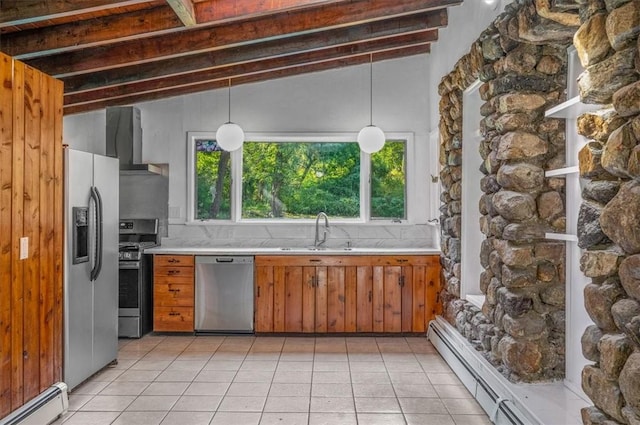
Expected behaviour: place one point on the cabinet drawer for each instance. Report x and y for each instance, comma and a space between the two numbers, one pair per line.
178, 279
173, 271
173, 319
174, 260
172, 294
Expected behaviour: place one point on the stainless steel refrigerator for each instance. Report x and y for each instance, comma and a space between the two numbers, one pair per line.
91, 264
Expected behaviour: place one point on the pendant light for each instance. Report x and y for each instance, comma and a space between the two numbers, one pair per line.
230, 136
371, 138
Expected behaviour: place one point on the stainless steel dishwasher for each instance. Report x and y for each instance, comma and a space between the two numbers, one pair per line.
224, 294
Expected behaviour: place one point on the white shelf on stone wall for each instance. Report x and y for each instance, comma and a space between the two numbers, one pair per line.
562, 171
572, 108
561, 237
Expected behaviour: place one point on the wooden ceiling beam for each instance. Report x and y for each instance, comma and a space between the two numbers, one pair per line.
241, 36
249, 53
27, 44
319, 57
223, 11
336, 63
184, 11
210, 85
20, 12
30, 43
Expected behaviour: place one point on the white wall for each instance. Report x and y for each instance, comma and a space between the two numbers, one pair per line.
86, 132
329, 101
466, 22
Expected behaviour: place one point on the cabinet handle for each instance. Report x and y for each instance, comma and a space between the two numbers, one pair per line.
314, 260
370, 296
174, 290
174, 313
401, 281
173, 272
173, 260
312, 281
258, 292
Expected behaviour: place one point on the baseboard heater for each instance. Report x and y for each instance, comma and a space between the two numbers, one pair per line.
43, 409
494, 399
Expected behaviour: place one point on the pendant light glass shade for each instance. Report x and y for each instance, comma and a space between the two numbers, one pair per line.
230, 136
371, 138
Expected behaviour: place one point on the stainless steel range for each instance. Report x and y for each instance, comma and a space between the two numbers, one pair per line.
135, 307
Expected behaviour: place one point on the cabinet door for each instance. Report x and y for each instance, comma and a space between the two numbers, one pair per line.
364, 299
321, 301
419, 299
433, 304
293, 299
335, 299
308, 299
392, 299
350, 304
279, 298
264, 304
407, 288
378, 299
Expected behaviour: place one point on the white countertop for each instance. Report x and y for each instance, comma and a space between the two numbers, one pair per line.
290, 251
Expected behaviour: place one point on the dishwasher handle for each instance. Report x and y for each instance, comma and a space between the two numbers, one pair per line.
224, 259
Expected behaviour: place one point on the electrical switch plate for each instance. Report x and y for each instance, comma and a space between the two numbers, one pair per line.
24, 248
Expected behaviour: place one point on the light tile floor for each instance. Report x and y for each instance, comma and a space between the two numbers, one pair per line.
247, 380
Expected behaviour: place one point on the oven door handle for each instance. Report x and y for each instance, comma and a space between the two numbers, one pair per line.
129, 265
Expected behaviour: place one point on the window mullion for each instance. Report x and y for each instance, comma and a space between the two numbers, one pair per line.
365, 186
236, 185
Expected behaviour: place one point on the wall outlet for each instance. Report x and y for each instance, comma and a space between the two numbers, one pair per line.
24, 248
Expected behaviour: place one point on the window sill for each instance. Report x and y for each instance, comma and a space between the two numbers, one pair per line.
477, 300
561, 237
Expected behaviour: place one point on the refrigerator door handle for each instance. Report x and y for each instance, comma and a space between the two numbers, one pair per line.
95, 195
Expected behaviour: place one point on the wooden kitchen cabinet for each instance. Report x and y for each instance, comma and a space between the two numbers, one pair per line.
173, 293
304, 294
337, 294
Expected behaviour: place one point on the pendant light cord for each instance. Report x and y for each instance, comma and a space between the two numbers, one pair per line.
371, 88
229, 109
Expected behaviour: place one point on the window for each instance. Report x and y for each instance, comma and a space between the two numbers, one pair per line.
294, 178
298, 179
389, 181
213, 181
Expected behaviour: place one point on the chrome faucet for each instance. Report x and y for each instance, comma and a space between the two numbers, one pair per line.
317, 242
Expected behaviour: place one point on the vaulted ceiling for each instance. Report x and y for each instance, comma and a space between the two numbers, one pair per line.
118, 52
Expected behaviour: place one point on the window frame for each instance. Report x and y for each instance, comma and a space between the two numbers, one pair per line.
236, 176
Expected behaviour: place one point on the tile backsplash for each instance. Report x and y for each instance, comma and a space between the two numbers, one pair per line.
259, 235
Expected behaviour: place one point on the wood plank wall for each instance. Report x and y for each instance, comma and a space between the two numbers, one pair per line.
31, 205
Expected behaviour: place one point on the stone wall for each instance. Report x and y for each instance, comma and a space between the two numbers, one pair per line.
522, 61
609, 221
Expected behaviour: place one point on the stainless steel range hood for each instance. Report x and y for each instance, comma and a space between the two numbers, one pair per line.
124, 141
